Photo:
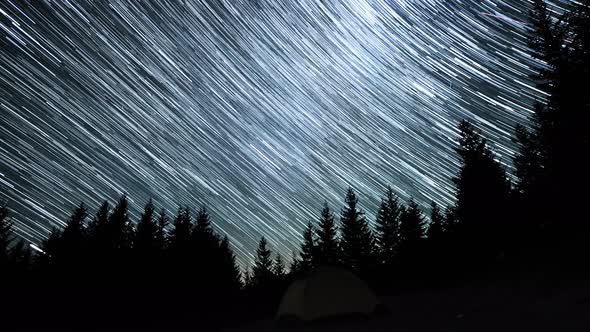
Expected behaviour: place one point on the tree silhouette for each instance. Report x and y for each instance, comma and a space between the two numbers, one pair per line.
295, 266
205, 249
412, 231
357, 240
6, 236
327, 241
161, 231
308, 249
71, 254
387, 228
278, 267
483, 192
230, 272
147, 246
435, 231
262, 273
121, 231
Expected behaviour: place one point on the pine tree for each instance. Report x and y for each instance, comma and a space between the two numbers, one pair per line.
181, 231
71, 252
483, 193
145, 242
5, 234
98, 227
387, 228
205, 248
262, 273
247, 278
412, 229
180, 258
327, 241
120, 229
295, 265
230, 272
357, 240
435, 228
308, 249
278, 268
161, 231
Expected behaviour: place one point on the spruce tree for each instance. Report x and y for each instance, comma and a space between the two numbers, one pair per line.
262, 273
145, 242
295, 265
327, 241
483, 193
435, 228
279, 267
72, 246
121, 231
230, 271
205, 249
161, 231
387, 228
308, 249
5, 234
357, 240
412, 230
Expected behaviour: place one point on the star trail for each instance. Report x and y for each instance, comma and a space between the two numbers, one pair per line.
260, 109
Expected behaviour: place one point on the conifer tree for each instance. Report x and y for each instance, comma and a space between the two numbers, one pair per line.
146, 243
308, 249
357, 240
120, 229
483, 193
5, 234
230, 272
205, 249
435, 228
387, 228
295, 265
412, 229
278, 267
71, 252
161, 231
327, 241
181, 231
262, 273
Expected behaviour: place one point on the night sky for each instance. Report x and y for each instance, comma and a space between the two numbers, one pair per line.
260, 109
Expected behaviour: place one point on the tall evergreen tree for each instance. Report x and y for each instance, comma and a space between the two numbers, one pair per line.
205, 247
387, 228
295, 265
5, 234
308, 249
72, 243
436, 226
412, 230
262, 273
278, 267
121, 231
230, 272
181, 232
327, 241
357, 240
483, 193
161, 231
146, 244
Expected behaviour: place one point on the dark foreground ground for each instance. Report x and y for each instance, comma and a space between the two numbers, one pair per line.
479, 307
483, 306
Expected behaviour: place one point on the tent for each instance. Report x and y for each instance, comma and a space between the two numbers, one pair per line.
328, 292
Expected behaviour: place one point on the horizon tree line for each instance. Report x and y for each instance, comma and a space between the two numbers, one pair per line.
492, 220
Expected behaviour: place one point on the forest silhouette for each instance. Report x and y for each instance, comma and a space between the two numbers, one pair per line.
172, 268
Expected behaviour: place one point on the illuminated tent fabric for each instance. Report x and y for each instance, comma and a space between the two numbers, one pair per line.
327, 293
